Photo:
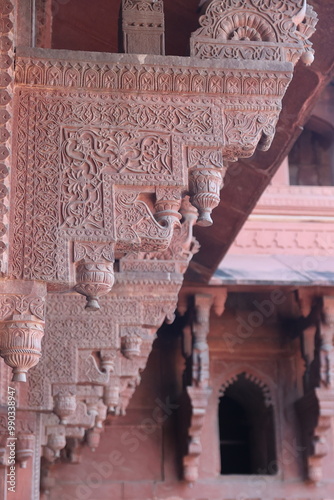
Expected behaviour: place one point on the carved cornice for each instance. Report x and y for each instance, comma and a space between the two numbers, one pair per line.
280, 238
297, 200
157, 74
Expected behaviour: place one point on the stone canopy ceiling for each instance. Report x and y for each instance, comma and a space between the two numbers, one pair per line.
94, 26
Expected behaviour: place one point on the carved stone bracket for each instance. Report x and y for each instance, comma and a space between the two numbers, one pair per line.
92, 364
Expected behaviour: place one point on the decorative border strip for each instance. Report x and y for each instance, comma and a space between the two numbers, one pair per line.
149, 78
6, 94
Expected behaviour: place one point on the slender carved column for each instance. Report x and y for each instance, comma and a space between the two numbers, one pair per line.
199, 391
143, 27
22, 313
316, 408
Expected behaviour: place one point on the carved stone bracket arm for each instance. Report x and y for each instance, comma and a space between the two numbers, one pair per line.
206, 176
94, 271
316, 412
199, 400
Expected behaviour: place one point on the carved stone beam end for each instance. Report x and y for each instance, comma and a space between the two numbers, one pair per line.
94, 279
205, 185
22, 312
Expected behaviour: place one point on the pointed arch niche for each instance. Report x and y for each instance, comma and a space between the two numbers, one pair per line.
246, 427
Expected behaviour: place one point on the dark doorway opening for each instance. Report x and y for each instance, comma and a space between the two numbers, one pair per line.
247, 431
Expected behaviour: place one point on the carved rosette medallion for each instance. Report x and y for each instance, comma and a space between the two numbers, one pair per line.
106, 149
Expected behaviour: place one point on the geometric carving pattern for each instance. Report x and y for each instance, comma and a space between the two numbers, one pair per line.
113, 138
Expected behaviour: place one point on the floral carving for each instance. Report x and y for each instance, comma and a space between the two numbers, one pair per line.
89, 151
143, 5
